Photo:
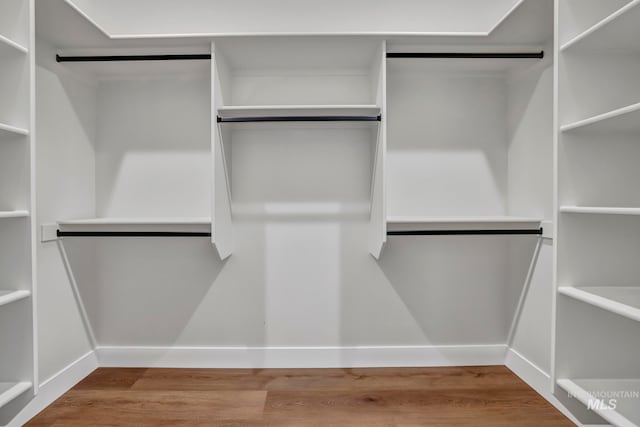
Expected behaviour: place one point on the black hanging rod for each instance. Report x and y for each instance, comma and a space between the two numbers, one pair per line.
535, 231
264, 119
468, 55
109, 58
132, 234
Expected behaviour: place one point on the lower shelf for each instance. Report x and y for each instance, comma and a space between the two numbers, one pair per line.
9, 391
615, 400
621, 300
7, 297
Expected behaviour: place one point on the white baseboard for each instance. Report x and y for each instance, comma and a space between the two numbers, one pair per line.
301, 357
56, 386
537, 379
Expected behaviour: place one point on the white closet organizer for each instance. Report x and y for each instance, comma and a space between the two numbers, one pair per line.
456, 146
152, 143
598, 303
18, 368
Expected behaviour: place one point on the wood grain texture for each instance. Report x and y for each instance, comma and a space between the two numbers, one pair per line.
478, 396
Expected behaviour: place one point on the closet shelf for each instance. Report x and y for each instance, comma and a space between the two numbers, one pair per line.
14, 214
621, 300
622, 120
136, 227
619, 30
7, 297
9, 391
9, 47
4, 128
599, 210
472, 223
299, 113
627, 411
139, 221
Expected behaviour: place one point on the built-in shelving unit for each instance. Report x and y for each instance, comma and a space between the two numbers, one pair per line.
598, 297
18, 338
596, 394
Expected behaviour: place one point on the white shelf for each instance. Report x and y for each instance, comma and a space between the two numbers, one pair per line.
9, 391
627, 412
399, 223
139, 221
4, 128
7, 297
297, 110
622, 120
621, 300
14, 214
620, 30
9, 47
599, 210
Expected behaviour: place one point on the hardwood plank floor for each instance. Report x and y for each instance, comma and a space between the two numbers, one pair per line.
478, 396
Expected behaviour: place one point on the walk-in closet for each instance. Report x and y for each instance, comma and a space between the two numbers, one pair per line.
345, 212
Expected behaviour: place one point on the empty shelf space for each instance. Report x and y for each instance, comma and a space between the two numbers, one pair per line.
9, 47
599, 210
14, 214
5, 128
622, 120
619, 30
139, 221
9, 391
297, 113
622, 300
476, 223
596, 394
7, 297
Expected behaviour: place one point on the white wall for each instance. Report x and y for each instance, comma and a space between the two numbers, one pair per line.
65, 187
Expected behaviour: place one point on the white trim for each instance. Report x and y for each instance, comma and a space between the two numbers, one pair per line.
56, 386
537, 379
301, 357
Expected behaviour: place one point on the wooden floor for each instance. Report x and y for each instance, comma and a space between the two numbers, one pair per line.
478, 396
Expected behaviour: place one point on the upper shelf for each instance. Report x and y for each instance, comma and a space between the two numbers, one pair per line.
14, 214
619, 30
622, 300
407, 223
299, 113
623, 120
139, 221
297, 110
7, 297
12, 130
9, 47
600, 210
